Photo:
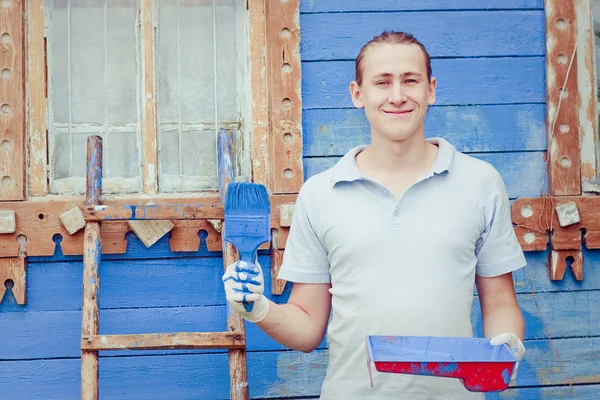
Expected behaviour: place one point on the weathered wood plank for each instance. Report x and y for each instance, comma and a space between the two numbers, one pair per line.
12, 103
153, 212
464, 81
522, 172
163, 341
258, 69
238, 368
36, 87
586, 78
92, 253
321, 6
149, 98
456, 34
562, 97
285, 99
470, 128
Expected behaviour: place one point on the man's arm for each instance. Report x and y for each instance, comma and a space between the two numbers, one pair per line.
499, 308
301, 323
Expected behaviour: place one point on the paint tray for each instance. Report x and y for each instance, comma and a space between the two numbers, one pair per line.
480, 366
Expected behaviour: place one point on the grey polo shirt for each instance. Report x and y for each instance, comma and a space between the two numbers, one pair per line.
399, 266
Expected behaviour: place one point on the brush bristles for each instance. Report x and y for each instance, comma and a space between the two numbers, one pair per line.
243, 198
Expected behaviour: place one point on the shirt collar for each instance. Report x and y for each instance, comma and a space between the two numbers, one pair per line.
346, 170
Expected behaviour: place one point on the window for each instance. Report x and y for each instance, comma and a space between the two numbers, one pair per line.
156, 80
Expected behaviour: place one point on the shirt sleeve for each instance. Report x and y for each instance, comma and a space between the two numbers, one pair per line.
498, 251
305, 258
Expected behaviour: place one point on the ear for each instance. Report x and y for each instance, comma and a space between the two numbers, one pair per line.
431, 91
355, 93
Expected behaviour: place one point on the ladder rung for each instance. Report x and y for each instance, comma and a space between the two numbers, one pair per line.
161, 341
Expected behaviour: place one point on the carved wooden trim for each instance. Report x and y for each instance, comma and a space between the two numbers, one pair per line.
12, 102
285, 100
15, 269
538, 223
39, 221
564, 165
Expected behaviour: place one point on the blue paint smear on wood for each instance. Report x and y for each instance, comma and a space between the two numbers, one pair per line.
464, 81
512, 127
457, 34
323, 6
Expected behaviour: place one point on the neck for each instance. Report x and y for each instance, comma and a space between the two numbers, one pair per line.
411, 155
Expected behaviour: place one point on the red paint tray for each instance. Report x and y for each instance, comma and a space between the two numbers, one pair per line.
481, 366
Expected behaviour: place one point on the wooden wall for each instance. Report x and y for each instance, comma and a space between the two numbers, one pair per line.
491, 103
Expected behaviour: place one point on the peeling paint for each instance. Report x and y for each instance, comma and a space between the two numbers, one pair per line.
298, 374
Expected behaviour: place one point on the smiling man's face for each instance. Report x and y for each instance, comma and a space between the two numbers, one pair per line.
395, 91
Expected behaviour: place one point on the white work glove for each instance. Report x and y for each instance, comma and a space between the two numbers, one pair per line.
244, 287
515, 345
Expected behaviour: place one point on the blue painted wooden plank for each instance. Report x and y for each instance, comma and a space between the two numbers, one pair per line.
535, 278
562, 314
197, 282
127, 283
57, 334
554, 314
462, 81
444, 34
320, 6
470, 128
271, 374
523, 173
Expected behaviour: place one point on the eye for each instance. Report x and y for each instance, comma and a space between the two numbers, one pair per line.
382, 83
411, 81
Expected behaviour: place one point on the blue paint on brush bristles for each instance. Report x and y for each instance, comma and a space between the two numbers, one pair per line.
247, 220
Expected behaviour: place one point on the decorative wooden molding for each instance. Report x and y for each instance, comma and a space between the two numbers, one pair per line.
258, 84
39, 221
149, 121
12, 101
37, 133
14, 269
537, 224
564, 159
285, 100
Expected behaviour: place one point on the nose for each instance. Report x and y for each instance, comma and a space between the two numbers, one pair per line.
397, 96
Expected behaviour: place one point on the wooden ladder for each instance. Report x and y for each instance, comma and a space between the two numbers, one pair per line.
234, 339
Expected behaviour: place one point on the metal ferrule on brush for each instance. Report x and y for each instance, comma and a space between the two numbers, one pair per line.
244, 230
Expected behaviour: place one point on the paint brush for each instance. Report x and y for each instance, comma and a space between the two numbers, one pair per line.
247, 220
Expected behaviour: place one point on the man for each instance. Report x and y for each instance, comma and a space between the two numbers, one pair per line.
392, 240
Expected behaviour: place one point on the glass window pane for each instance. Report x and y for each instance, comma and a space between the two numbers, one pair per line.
198, 164
87, 61
186, 86
93, 67
121, 62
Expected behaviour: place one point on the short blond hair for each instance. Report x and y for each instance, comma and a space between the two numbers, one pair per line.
389, 37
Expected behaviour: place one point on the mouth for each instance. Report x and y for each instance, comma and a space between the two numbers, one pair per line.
398, 112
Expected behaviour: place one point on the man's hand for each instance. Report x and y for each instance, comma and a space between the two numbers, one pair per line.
515, 345
244, 287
